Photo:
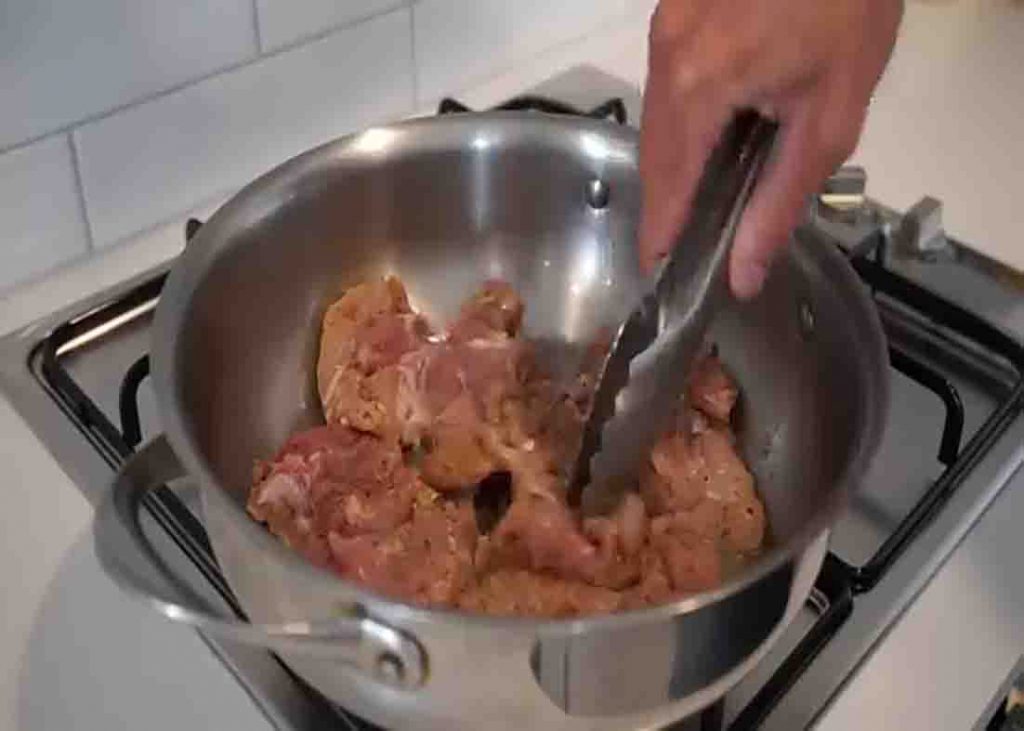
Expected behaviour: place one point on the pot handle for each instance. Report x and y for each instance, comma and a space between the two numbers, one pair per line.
387, 655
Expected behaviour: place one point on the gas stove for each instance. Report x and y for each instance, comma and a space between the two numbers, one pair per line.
80, 379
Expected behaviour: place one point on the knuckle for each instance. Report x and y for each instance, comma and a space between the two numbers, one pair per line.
741, 63
691, 76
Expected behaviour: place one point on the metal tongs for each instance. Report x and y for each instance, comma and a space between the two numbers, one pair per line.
645, 370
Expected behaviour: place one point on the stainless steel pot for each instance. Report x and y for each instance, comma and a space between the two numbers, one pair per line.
551, 205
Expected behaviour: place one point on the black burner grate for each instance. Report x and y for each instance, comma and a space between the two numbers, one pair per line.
613, 108
948, 329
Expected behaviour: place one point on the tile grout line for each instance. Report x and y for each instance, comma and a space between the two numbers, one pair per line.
76, 173
256, 28
196, 80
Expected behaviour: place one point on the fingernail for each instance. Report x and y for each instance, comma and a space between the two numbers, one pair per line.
748, 278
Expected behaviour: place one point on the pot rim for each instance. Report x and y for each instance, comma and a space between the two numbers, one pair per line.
263, 196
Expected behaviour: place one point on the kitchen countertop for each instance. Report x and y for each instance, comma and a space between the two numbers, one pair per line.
79, 654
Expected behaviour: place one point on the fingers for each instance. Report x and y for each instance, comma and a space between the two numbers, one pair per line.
815, 138
673, 150
680, 125
700, 67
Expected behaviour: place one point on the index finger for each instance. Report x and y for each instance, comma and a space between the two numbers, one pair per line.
680, 126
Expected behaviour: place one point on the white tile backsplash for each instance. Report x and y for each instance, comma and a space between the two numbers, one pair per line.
64, 60
461, 41
40, 215
170, 104
286, 21
146, 164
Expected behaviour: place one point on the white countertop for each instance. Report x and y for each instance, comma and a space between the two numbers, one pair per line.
968, 616
78, 654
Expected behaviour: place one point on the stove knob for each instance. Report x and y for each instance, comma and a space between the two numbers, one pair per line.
920, 234
842, 198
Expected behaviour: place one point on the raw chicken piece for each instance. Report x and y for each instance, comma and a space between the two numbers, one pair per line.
542, 534
524, 593
628, 525
700, 483
711, 390
428, 559
364, 336
438, 374
333, 479
457, 454
745, 524
654, 586
347, 316
534, 474
704, 523
493, 372
495, 312
689, 546
691, 568
686, 469
367, 403
280, 499
383, 495
728, 477
676, 478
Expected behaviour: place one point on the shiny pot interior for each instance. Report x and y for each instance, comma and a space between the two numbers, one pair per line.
548, 204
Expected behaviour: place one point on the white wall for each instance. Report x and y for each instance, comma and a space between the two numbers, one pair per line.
119, 115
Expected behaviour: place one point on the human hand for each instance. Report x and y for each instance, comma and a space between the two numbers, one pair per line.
810, 64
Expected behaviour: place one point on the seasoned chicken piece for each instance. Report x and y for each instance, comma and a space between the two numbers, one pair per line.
745, 524
458, 393
623, 532
685, 469
333, 479
534, 474
675, 476
493, 371
362, 389
515, 592
689, 545
382, 495
654, 586
494, 312
711, 390
691, 568
457, 455
428, 560
367, 403
704, 523
357, 307
542, 534
280, 499
364, 336
437, 374
619, 538
728, 477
